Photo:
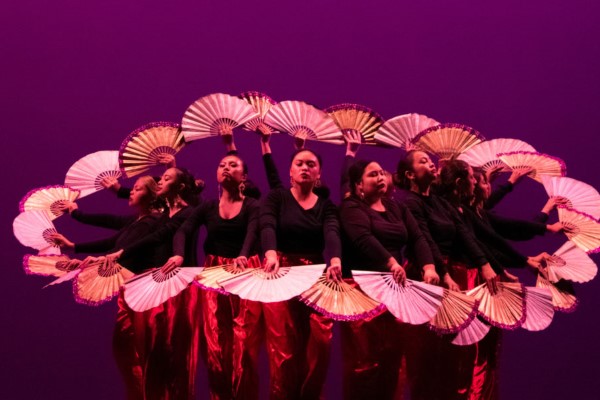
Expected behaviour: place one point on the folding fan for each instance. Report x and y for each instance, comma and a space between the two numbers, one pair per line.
209, 278
539, 309
399, 131
572, 264
99, 281
33, 229
65, 278
505, 309
457, 311
261, 104
142, 148
447, 140
45, 265
214, 115
85, 175
542, 164
304, 121
580, 228
485, 154
354, 117
49, 199
340, 301
152, 288
563, 294
414, 303
472, 333
257, 285
580, 196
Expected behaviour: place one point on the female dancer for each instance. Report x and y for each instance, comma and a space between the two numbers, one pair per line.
143, 198
231, 223
376, 229
299, 227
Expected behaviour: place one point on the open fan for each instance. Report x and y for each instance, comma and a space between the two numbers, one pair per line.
472, 333
33, 229
506, 308
457, 311
99, 281
542, 164
65, 278
340, 301
304, 121
257, 285
48, 199
563, 294
571, 263
209, 278
581, 228
414, 303
580, 196
45, 265
354, 117
85, 175
399, 131
485, 154
152, 288
539, 309
142, 148
214, 115
261, 104
447, 140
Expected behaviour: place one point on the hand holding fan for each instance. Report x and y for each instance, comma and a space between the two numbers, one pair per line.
100, 281
340, 301
49, 199
447, 140
581, 229
144, 147
563, 294
303, 121
85, 175
45, 265
401, 130
485, 154
261, 104
214, 115
541, 164
571, 263
414, 303
356, 118
579, 195
35, 229
209, 277
154, 287
257, 285
506, 308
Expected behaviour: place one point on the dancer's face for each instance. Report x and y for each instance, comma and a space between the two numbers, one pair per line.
423, 168
305, 168
374, 182
230, 169
470, 182
167, 183
139, 196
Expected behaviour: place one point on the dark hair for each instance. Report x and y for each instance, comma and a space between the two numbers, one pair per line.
452, 171
355, 173
295, 153
404, 165
190, 191
479, 196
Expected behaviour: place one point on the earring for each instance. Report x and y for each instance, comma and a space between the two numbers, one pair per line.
362, 195
318, 183
242, 187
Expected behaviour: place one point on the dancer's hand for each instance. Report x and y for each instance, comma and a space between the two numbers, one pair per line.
91, 259
71, 265
111, 183
398, 273
353, 140
490, 277
271, 262
114, 256
334, 270
430, 276
553, 202
493, 173
555, 227
518, 174
172, 264
450, 283
508, 277
166, 159
66, 206
227, 137
241, 263
61, 240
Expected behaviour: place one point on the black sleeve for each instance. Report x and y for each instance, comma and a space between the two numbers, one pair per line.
515, 229
191, 224
416, 240
541, 218
123, 193
497, 195
357, 226
109, 221
251, 229
269, 211
273, 177
331, 232
416, 209
344, 178
97, 246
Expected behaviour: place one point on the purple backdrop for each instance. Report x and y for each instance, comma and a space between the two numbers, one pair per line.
77, 77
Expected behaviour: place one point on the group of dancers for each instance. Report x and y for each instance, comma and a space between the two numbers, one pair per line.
421, 223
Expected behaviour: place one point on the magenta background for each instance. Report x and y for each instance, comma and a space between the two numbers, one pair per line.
77, 77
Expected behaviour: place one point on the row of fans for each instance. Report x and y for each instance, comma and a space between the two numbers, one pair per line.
219, 114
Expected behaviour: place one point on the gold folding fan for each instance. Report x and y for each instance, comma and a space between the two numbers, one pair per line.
456, 312
49, 199
261, 104
356, 118
541, 164
447, 140
563, 294
99, 282
45, 265
506, 308
209, 278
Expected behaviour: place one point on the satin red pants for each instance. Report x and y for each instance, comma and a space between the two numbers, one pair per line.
298, 342
156, 350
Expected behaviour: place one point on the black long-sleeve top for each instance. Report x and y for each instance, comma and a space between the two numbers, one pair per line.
514, 229
344, 177
500, 192
237, 236
273, 177
108, 221
372, 237
160, 242
287, 227
446, 233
